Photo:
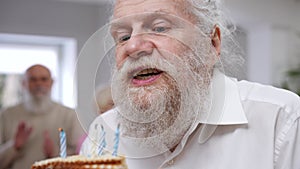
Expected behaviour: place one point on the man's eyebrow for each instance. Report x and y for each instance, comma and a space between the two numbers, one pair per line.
118, 24
121, 22
115, 25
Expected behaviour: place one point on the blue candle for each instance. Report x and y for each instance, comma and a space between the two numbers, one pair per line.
63, 143
94, 142
102, 144
117, 139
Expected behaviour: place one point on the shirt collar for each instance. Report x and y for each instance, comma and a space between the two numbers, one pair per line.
226, 107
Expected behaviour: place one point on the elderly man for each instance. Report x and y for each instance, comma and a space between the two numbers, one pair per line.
29, 130
175, 106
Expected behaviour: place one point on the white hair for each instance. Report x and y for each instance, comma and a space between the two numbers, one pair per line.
211, 13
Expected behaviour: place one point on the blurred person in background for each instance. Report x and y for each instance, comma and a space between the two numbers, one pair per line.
104, 100
29, 130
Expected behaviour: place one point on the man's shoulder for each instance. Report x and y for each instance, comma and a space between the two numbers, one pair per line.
11, 109
62, 107
251, 91
109, 117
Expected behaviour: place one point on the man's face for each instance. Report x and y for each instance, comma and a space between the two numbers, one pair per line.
157, 30
144, 27
38, 82
159, 83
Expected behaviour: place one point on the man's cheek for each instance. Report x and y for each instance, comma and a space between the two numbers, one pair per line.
119, 58
174, 46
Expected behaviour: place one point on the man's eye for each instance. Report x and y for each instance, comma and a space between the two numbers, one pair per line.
159, 29
44, 79
124, 38
33, 79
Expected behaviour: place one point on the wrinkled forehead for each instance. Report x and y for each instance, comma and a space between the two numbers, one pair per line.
125, 8
147, 18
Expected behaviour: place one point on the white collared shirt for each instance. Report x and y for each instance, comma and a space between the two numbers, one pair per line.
250, 126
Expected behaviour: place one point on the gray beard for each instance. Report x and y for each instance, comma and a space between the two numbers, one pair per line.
37, 106
159, 119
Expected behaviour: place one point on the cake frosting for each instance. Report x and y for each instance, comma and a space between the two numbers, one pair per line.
82, 162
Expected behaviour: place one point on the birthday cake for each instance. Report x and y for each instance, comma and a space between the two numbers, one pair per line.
82, 162
100, 161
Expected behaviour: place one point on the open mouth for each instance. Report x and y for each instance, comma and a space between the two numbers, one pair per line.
146, 76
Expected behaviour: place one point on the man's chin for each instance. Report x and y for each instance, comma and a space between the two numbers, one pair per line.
38, 104
145, 96
142, 100
40, 97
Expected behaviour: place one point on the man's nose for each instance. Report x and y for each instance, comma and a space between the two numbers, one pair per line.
138, 46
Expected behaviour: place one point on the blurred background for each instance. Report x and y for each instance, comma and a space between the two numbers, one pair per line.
53, 32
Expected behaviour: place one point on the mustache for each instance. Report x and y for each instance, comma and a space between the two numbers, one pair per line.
150, 61
40, 89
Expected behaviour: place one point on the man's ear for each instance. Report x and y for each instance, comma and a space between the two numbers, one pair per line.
216, 39
52, 81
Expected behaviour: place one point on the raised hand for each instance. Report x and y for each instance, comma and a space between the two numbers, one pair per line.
48, 145
22, 135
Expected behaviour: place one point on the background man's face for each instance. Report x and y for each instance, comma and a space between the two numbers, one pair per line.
38, 82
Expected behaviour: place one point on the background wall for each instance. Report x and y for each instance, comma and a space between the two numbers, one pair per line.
52, 18
272, 28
